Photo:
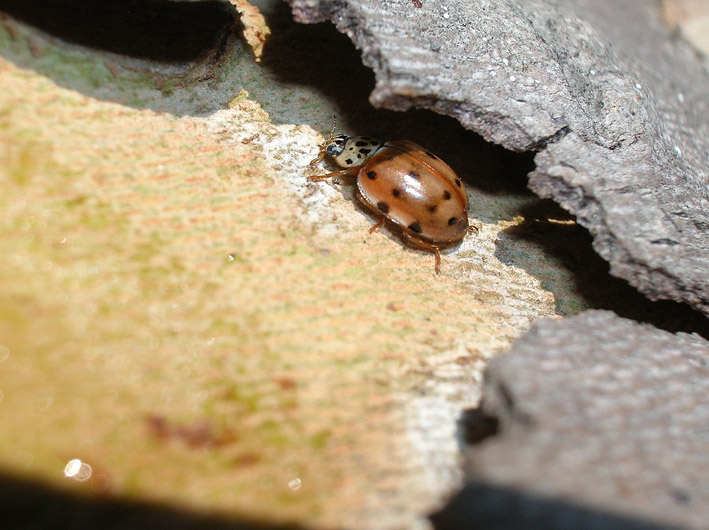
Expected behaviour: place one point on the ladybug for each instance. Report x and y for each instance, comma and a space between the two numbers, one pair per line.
404, 184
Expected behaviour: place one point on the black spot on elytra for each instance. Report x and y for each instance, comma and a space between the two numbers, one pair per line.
432, 208
415, 227
359, 155
431, 155
447, 195
414, 175
361, 143
395, 192
365, 151
371, 175
390, 158
458, 183
349, 163
384, 207
452, 221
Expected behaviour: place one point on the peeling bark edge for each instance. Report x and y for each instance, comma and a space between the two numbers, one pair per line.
606, 245
637, 262
396, 93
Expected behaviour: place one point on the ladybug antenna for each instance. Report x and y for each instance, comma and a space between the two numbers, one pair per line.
332, 131
324, 145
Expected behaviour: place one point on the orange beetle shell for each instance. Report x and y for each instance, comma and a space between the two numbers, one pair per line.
415, 190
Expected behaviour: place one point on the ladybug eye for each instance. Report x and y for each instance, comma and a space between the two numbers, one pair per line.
334, 149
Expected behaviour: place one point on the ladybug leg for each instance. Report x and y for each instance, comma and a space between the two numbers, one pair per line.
423, 245
376, 211
365, 202
341, 173
376, 227
317, 159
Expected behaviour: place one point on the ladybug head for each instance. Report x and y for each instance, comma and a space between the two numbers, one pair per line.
336, 145
351, 151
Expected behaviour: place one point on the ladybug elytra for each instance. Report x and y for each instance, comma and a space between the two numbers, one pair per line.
403, 184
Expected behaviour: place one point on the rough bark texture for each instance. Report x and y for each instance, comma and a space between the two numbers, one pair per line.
615, 107
602, 424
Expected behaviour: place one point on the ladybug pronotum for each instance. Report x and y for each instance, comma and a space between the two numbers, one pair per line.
404, 184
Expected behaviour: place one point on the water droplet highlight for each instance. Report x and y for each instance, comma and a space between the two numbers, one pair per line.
77, 470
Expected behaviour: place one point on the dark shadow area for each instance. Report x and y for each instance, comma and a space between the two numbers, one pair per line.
571, 244
318, 55
158, 30
32, 505
475, 426
314, 56
481, 506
